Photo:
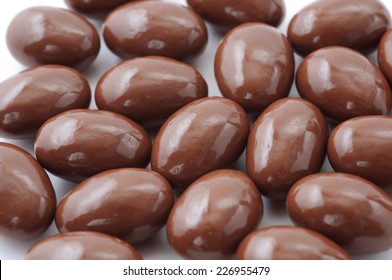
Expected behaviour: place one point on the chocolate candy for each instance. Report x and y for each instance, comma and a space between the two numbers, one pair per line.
343, 84
154, 28
95, 7
361, 147
289, 243
228, 13
286, 143
131, 204
385, 55
254, 66
33, 96
82, 245
203, 136
211, 217
27, 198
148, 90
81, 143
345, 208
48, 35
357, 24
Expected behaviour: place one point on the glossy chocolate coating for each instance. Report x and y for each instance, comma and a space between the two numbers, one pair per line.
356, 24
361, 146
385, 55
212, 216
49, 35
95, 7
228, 13
131, 204
154, 28
78, 144
343, 84
350, 210
82, 245
287, 142
289, 243
150, 89
27, 198
33, 96
205, 135
254, 66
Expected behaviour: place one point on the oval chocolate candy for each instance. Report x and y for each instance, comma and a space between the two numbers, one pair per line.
384, 55
229, 13
212, 216
154, 28
33, 96
96, 8
49, 35
349, 210
356, 24
361, 146
131, 204
343, 84
287, 142
254, 66
289, 243
149, 89
82, 245
205, 135
27, 197
78, 144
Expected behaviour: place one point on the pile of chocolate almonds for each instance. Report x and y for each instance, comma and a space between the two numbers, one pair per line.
154, 150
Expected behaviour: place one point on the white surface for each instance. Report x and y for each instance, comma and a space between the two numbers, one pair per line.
156, 248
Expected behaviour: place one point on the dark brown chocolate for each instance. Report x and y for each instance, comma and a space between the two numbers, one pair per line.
82, 245
77, 144
289, 243
254, 66
49, 35
33, 96
350, 210
27, 198
154, 28
205, 135
343, 83
131, 204
361, 146
385, 55
356, 24
212, 216
229, 13
287, 142
150, 89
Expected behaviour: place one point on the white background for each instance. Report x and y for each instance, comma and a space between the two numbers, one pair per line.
156, 248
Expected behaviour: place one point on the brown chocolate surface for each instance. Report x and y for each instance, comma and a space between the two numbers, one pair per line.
287, 142
49, 35
131, 204
289, 243
27, 198
154, 28
82, 246
254, 66
95, 7
350, 210
361, 146
384, 55
205, 135
149, 89
212, 216
343, 84
357, 24
33, 96
228, 13
78, 144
